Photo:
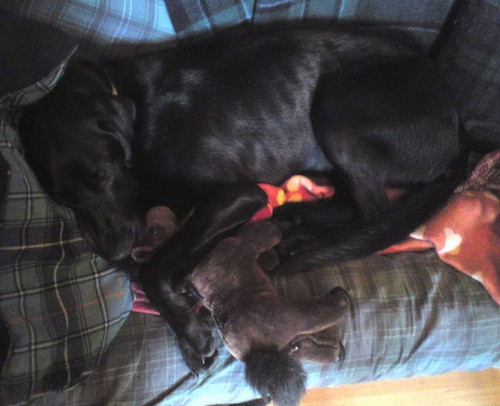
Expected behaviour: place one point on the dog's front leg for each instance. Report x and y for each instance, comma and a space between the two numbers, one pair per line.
192, 329
163, 274
224, 210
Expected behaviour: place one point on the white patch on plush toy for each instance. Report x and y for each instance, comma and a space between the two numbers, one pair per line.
452, 241
418, 234
478, 276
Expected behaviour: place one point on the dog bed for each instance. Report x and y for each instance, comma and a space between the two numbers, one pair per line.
66, 312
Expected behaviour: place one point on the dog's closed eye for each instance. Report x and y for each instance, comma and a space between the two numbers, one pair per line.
110, 129
97, 179
103, 174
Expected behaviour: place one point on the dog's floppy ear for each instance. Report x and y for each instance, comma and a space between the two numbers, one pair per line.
122, 116
125, 109
124, 121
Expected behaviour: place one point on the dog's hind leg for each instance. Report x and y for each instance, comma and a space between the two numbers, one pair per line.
359, 157
389, 124
304, 222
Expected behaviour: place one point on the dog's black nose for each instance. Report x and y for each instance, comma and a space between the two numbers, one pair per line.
120, 240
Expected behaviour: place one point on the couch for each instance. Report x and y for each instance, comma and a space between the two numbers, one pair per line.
67, 332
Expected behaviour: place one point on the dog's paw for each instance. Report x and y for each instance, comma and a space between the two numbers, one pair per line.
198, 360
293, 241
340, 352
197, 346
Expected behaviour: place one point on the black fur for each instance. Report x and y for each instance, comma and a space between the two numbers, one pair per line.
361, 108
277, 375
215, 118
77, 140
310, 245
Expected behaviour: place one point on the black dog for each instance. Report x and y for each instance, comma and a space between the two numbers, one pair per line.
214, 119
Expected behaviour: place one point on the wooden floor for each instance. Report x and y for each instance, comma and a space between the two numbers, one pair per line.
453, 389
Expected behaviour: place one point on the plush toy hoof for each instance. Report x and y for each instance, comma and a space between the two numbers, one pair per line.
341, 296
341, 354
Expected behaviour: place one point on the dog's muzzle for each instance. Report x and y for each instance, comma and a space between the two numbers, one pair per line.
111, 237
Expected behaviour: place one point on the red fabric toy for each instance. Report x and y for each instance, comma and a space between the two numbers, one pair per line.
296, 189
466, 233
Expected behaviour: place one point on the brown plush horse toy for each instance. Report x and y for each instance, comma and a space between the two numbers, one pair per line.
259, 327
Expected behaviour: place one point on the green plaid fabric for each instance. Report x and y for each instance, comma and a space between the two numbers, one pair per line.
470, 56
115, 27
61, 303
411, 315
423, 19
108, 27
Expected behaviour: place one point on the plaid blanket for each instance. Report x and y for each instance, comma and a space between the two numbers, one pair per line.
61, 303
116, 27
411, 315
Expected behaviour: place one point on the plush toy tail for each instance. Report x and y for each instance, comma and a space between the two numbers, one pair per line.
276, 375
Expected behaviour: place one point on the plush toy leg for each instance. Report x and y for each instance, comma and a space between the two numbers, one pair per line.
321, 313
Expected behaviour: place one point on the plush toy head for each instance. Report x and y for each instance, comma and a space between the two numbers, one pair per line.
247, 309
161, 224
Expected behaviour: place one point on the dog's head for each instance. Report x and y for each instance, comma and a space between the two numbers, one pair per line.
79, 146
